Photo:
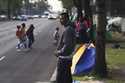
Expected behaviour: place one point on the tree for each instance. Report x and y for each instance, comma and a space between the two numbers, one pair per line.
12, 6
68, 4
26, 6
100, 66
42, 6
16, 6
2, 7
8, 9
88, 9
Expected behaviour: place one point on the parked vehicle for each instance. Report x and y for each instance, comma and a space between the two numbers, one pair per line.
36, 16
3, 17
44, 15
20, 18
24, 17
52, 16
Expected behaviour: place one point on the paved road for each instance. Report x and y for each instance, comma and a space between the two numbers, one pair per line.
34, 66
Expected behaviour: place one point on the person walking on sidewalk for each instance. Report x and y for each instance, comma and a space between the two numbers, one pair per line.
64, 50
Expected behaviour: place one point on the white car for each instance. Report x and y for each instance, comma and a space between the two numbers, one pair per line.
3, 17
44, 16
36, 16
53, 16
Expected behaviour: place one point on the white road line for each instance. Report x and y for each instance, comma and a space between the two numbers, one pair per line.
2, 58
42, 82
53, 78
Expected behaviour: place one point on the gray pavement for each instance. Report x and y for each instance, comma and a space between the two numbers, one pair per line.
7, 32
34, 66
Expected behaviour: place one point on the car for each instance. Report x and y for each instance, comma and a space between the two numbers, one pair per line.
20, 18
3, 17
52, 16
44, 15
36, 16
30, 16
24, 17
16, 17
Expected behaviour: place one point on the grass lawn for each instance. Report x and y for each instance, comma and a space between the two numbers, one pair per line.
115, 57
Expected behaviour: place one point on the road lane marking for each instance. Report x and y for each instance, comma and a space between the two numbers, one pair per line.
2, 58
53, 78
42, 82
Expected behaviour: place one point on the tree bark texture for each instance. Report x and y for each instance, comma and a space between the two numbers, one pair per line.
100, 66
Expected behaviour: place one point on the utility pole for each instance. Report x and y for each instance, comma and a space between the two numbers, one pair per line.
100, 63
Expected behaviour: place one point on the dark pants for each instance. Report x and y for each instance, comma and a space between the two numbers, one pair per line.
64, 71
24, 41
31, 41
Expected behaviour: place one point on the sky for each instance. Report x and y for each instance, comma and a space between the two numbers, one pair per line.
56, 5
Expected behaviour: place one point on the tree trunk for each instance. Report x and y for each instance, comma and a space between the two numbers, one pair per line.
100, 66
26, 6
87, 8
8, 9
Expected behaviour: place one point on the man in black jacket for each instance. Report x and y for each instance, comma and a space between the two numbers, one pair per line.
64, 51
